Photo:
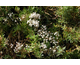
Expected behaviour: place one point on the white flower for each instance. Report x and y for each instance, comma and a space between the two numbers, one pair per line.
11, 45
39, 30
10, 14
56, 34
15, 20
54, 51
30, 25
50, 48
23, 16
29, 21
33, 22
43, 32
46, 37
5, 20
18, 47
50, 38
20, 19
43, 45
34, 15
44, 26
43, 36
54, 42
16, 50
26, 45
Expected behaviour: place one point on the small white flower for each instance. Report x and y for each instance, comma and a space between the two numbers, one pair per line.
37, 25
26, 45
50, 48
56, 34
11, 45
39, 30
46, 37
50, 38
33, 22
5, 20
20, 19
43, 36
23, 16
30, 25
43, 32
18, 47
10, 14
43, 45
15, 20
54, 51
54, 42
34, 15
29, 21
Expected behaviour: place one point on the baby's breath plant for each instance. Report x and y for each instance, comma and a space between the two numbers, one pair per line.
38, 32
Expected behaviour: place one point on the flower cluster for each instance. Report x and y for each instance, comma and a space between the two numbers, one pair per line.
34, 15
10, 18
33, 20
47, 36
18, 47
11, 45
10, 14
43, 45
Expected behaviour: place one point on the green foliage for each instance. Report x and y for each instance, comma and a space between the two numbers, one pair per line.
14, 31
69, 14
7, 57
61, 51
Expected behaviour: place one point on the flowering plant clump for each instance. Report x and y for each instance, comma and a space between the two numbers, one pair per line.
18, 47
47, 37
34, 15
39, 32
34, 22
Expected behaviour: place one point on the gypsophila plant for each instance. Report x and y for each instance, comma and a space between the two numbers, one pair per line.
39, 32
49, 41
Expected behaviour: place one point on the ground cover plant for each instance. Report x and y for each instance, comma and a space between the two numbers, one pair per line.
39, 32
